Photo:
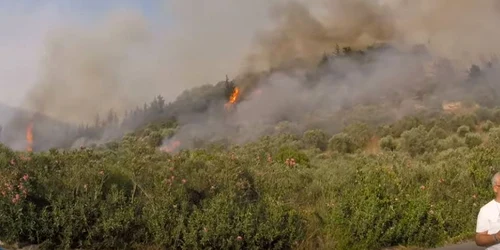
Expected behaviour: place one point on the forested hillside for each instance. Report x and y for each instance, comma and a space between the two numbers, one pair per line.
367, 149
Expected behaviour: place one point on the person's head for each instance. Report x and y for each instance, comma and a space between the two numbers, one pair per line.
495, 182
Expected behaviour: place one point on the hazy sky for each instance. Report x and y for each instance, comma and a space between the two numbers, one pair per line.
24, 24
197, 42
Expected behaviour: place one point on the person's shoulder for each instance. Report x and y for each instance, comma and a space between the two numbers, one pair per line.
491, 205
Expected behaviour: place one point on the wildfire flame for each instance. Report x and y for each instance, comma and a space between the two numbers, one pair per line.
170, 147
29, 137
233, 98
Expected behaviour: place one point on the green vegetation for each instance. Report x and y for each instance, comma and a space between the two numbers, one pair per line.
287, 191
358, 176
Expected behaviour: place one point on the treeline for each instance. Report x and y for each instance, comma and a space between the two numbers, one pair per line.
197, 100
208, 100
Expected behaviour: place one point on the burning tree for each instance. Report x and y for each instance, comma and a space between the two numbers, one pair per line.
29, 137
233, 98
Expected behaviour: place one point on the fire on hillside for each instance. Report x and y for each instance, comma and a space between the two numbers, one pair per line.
29, 137
233, 98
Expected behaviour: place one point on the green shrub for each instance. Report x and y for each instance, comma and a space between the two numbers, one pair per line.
130, 195
383, 131
225, 224
409, 216
496, 115
469, 120
155, 138
414, 141
388, 143
360, 134
342, 143
316, 138
462, 130
167, 133
287, 152
486, 126
135, 197
473, 140
452, 142
437, 133
405, 124
494, 136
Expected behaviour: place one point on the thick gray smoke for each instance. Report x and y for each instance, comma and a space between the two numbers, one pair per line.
123, 60
302, 34
291, 96
451, 29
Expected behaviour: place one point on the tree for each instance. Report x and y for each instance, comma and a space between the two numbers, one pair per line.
474, 71
324, 60
161, 103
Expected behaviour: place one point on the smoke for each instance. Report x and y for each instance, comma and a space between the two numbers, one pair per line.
452, 33
306, 30
122, 60
290, 101
299, 33
125, 58
88, 71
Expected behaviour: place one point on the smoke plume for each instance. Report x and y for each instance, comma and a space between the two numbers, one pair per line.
303, 31
125, 59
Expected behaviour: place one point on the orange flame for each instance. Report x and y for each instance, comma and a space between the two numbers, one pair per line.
29, 137
233, 98
171, 146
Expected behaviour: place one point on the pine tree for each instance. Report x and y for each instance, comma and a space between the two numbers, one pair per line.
161, 103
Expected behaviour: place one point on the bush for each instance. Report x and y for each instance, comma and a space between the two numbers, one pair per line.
462, 130
494, 136
414, 141
360, 134
134, 197
452, 142
130, 195
383, 131
437, 133
287, 152
316, 138
469, 120
486, 126
473, 140
388, 143
405, 124
167, 133
342, 143
408, 218
496, 115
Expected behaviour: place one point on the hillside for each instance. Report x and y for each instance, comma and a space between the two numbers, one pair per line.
377, 85
365, 150
49, 132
